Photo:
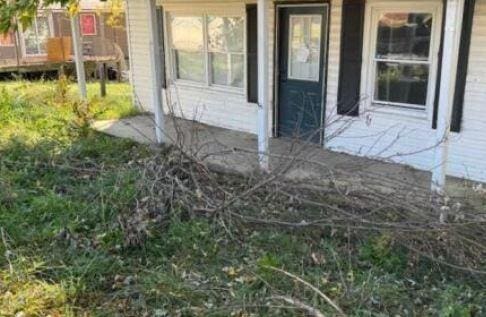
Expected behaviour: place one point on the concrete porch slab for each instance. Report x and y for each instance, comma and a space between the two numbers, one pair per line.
237, 151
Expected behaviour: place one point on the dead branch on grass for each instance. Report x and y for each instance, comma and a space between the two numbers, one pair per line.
310, 311
181, 179
312, 287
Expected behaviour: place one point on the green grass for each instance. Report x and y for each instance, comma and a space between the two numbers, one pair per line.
62, 248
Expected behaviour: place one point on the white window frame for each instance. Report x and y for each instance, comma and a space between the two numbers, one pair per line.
206, 84
50, 23
373, 12
95, 24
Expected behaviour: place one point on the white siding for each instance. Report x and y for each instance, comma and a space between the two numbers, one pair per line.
212, 107
139, 38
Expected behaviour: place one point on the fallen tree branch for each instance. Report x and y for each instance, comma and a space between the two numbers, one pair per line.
312, 287
310, 311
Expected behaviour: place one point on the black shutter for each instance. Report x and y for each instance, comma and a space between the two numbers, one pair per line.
463, 64
252, 52
439, 68
351, 57
160, 27
462, 68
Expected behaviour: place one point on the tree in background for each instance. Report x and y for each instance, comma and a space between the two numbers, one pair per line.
15, 12
115, 17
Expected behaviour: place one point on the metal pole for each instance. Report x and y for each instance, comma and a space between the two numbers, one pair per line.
263, 93
78, 56
452, 37
155, 59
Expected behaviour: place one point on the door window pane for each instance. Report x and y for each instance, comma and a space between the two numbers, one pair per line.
402, 83
305, 47
404, 36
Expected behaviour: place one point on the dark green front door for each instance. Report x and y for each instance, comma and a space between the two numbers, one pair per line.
301, 58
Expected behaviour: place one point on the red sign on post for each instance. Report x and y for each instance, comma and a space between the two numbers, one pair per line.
88, 24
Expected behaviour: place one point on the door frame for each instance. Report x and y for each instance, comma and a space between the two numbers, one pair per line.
276, 60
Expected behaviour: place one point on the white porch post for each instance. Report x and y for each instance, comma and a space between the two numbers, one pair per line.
78, 56
155, 63
452, 38
263, 93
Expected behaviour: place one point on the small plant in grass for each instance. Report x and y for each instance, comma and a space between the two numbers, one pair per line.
62, 90
457, 301
384, 253
82, 115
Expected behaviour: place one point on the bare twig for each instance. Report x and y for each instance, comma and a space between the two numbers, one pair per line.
312, 287
310, 311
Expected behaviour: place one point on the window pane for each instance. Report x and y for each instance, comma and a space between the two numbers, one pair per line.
219, 68
237, 70
42, 33
30, 43
402, 83
187, 33
35, 37
227, 69
189, 65
226, 34
404, 36
316, 33
305, 47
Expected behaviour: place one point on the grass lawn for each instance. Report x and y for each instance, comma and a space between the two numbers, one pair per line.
63, 187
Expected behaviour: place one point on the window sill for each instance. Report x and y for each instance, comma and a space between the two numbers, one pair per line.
398, 111
217, 89
34, 55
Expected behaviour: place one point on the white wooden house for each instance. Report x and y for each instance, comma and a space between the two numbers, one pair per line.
408, 77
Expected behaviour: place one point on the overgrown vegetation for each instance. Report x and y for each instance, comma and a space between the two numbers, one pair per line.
80, 236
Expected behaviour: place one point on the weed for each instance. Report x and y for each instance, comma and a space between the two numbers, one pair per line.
383, 252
